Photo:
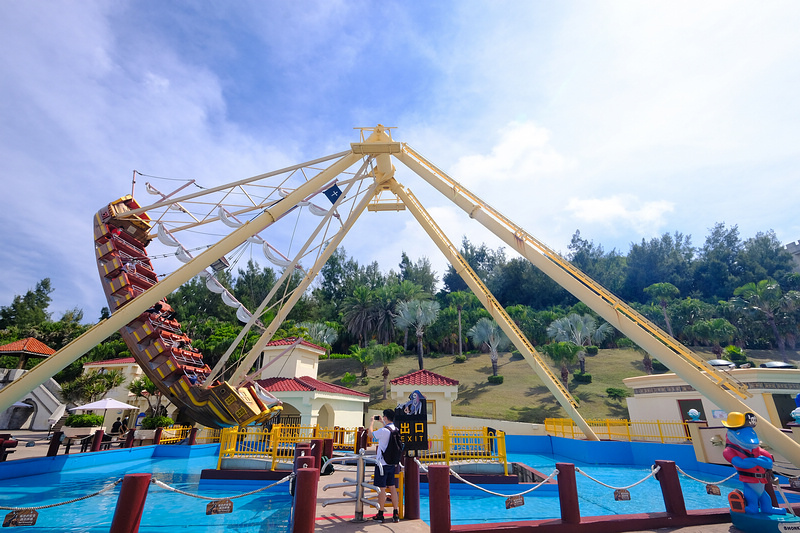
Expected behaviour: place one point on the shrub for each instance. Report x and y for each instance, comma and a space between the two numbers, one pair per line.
735, 354
616, 393
625, 342
340, 356
460, 359
658, 366
516, 355
83, 421
348, 379
495, 380
592, 350
579, 377
153, 422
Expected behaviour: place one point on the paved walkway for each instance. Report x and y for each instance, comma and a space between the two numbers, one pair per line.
334, 518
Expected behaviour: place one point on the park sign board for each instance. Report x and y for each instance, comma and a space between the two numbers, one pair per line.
411, 419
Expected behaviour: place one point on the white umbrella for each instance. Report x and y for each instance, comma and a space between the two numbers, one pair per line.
105, 403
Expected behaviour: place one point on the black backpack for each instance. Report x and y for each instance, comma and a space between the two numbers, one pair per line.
394, 449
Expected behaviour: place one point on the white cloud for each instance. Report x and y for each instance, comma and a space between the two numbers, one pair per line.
622, 211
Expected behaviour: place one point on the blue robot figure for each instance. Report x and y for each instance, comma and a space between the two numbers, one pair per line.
752, 462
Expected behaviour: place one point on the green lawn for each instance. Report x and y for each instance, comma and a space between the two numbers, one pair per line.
522, 396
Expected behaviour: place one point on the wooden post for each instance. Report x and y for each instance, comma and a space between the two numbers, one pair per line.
411, 489
439, 498
129, 438
568, 494
130, 503
305, 498
671, 488
98, 440
157, 436
193, 437
55, 444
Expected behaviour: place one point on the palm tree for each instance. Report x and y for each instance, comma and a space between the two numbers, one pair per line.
766, 298
321, 333
663, 293
487, 331
579, 330
419, 315
459, 299
363, 356
385, 300
143, 387
384, 354
359, 312
91, 386
714, 331
405, 291
562, 353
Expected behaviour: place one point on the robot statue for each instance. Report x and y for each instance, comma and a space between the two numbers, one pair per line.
752, 462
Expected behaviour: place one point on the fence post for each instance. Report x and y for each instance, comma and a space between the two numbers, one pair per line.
305, 498
439, 496
129, 438
157, 436
192, 436
316, 451
411, 488
55, 444
568, 494
98, 440
130, 503
671, 488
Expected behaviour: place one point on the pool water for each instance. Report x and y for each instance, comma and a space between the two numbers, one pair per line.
164, 510
470, 506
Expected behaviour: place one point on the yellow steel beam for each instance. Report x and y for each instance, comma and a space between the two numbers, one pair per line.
97, 334
724, 392
494, 308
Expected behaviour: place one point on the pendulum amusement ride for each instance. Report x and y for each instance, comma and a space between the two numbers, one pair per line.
336, 190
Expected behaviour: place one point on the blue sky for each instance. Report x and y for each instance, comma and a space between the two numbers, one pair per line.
622, 119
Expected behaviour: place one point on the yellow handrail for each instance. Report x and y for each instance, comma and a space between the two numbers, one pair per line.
624, 430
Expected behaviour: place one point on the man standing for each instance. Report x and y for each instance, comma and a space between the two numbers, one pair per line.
387, 480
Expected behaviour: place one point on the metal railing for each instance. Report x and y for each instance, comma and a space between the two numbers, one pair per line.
467, 445
622, 430
174, 434
207, 435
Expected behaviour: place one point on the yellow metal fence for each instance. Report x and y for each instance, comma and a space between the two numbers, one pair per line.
622, 430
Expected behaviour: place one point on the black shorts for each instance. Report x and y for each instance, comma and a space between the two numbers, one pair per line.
387, 479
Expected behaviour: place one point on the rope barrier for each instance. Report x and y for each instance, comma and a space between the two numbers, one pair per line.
101, 491
704, 482
179, 491
458, 477
653, 472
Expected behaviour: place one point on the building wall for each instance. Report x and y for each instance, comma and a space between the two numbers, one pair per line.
300, 361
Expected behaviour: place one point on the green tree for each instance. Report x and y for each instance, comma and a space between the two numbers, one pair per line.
91, 386
765, 299
364, 357
715, 332
459, 299
563, 354
417, 314
419, 273
384, 354
663, 293
143, 387
29, 309
489, 332
581, 330
359, 313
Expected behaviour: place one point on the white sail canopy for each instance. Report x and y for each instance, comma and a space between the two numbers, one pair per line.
223, 217
275, 259
229, 300
317, 210
152, 190
183, 255
255, 239
214, 286
243, 314
165, 237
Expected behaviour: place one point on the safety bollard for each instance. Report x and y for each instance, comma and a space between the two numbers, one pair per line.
327, 448
568, 494
411, 472
305, 499
55, 444
671, 488
439, 498
129, 438
157, 436
316, 451
193, 437
98, 440
130, 503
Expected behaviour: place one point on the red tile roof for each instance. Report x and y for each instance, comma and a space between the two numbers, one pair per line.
288, 341
423, 377
306, 384
30, 345
120, 361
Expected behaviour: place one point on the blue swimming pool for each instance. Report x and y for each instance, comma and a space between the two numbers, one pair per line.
164, 510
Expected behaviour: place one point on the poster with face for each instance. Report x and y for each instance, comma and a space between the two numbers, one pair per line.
411, 418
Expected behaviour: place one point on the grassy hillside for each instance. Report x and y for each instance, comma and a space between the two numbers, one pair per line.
522, 396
